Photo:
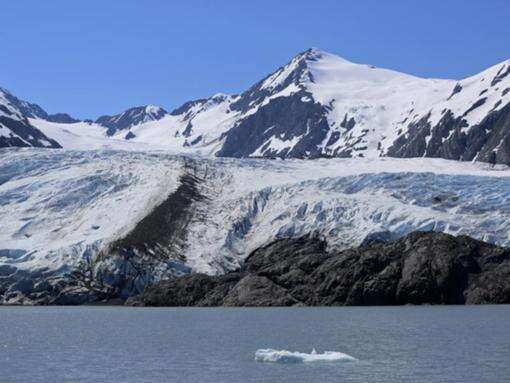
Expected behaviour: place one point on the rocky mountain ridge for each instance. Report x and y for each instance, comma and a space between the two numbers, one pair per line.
16, 129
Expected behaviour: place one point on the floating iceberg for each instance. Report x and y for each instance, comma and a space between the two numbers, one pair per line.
284, 356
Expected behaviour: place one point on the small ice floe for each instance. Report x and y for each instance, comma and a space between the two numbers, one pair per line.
284, 356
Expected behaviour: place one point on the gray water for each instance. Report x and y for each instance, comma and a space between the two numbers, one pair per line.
116, 344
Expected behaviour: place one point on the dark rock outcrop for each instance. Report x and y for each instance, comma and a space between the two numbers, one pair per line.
421, 268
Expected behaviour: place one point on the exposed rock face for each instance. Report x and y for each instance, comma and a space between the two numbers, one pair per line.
42, 287
421, 268
282, 120
280, 117
451, 139
187, 106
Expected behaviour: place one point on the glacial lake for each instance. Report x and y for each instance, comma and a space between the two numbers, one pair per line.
120, 344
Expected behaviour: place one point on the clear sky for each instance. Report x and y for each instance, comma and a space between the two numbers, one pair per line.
93, 57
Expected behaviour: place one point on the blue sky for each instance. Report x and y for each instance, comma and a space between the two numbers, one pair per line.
89, 58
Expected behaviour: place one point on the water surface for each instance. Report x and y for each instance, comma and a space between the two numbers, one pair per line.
117, 344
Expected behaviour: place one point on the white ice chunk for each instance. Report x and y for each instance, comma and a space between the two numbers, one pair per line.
284, 356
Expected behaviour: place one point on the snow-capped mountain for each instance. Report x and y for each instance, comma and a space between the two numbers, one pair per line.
15, 128
321, 105
31, 110
130, 118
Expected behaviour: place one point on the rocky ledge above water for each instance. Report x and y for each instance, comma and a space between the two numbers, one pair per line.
421, 268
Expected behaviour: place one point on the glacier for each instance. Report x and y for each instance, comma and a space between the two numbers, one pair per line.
64, 211
58, 206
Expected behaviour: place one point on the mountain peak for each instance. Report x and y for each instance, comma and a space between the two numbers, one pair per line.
131, 117
154, 110
316, 54
311, 53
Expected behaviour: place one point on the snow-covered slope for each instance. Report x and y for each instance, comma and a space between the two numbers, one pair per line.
142, 216
83, 135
